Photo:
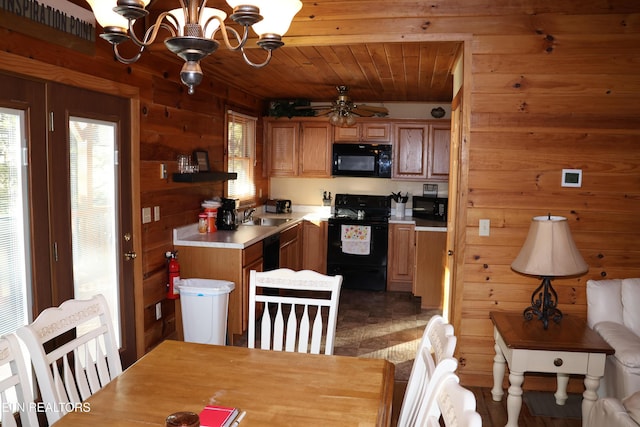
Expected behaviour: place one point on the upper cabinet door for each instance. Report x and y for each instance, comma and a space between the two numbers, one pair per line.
315, 149
282, 140
421, 151
376, 132
410, 148
363, 132
439, 142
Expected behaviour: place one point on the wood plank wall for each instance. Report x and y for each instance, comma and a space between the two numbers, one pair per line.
549, 91
553, 84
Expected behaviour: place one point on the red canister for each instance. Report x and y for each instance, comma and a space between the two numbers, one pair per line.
212, 214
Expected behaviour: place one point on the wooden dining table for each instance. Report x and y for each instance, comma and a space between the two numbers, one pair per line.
274, 388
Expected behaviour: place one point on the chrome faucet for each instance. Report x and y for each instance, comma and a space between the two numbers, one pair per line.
248, 214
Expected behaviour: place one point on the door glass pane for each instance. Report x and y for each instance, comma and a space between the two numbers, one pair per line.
94, 228
14, 249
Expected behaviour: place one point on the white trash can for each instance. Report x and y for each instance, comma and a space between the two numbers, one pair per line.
205, 303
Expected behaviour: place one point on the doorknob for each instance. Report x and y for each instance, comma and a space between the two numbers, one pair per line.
130, 255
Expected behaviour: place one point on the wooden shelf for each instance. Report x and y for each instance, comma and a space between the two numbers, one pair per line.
204, 176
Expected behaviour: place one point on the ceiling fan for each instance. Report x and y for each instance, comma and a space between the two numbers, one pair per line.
341, 112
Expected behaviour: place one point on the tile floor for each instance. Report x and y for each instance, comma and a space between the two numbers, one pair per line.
387, 325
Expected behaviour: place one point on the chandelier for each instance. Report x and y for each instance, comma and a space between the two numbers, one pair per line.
193, 27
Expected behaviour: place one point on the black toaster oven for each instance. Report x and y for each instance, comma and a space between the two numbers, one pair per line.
432, 208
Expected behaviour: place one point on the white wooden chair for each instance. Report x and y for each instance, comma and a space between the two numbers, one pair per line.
438, 344
308, 299
454, 403
15, 384
73, 371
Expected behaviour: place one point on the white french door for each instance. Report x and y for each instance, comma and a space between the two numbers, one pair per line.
15, 281
93, 172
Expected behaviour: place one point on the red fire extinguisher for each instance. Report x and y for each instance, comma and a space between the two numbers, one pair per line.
174, 274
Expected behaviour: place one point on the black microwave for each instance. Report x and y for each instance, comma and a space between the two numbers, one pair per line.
433, 208
362, 160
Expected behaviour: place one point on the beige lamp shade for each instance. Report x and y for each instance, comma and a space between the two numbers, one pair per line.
549, 250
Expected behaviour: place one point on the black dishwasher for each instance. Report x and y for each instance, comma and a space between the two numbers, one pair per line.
271, 252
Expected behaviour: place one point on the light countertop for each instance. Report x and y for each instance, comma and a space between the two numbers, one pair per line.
247, 235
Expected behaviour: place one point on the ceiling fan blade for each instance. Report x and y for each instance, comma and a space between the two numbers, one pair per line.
312, 107
373, 109
362, 113
324, 112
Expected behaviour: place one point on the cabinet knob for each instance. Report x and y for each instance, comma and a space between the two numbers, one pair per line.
558, 362
449, 252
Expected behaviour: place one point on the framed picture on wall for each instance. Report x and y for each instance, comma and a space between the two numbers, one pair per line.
201, 158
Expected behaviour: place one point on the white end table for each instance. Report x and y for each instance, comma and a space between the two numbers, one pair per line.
569, 347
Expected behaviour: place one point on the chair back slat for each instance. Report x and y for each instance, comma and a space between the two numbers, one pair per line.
15, 388
292, 331
303, 340
278, 329
82, 365
81, 378
69, 381
316, 335
308, 300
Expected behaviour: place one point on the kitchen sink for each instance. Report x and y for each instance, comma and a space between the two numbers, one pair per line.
267, 222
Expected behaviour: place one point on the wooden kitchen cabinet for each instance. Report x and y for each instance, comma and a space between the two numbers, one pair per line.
314, 246
282, 142
222, 264
299, 148
315, 149
421, 151
438, 159
401, 257
373, 132
291, 247
430, 267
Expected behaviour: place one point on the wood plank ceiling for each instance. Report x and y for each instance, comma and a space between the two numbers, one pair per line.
313, 62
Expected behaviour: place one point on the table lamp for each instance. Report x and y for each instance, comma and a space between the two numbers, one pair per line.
548, 252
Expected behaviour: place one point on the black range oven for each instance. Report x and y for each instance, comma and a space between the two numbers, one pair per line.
358, 236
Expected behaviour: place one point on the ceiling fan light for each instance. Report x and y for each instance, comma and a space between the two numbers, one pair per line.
334, 119
277, 16
106, 16
350, 120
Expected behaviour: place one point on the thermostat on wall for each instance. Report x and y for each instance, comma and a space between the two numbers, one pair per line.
572, 177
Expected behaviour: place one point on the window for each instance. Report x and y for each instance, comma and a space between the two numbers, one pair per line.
242, 142
15, 284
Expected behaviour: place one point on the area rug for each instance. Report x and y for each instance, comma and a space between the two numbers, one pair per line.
543, 404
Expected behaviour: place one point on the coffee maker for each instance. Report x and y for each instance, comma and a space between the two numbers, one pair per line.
227, 214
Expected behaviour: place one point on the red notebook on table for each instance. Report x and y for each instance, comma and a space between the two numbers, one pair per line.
217, 416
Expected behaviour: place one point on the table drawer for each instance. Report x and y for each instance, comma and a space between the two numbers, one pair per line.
549, 361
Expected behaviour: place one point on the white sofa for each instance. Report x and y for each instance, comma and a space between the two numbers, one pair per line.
614, 312
611, 412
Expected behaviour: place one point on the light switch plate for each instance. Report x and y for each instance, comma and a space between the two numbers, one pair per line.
146, 215
485, 226
158, 311
156, 213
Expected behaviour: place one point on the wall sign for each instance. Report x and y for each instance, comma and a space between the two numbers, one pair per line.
56, 21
